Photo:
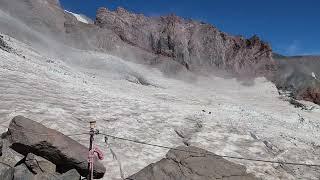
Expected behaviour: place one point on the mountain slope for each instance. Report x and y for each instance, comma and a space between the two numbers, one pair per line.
65, 93
193, 44
66, 79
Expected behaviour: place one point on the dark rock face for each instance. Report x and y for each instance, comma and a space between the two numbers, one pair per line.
1, 145
310, 94
28, 136
191, 43
195, 165
4, 46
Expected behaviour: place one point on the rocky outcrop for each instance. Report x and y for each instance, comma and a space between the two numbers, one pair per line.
4, 46
310, 94
27, 136
300, 76
192, 163
193, 44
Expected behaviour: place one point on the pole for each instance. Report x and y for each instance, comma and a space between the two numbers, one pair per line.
92, 132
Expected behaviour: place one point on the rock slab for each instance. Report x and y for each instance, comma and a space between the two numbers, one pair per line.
39, 165
6, 172
27, 136
198, 164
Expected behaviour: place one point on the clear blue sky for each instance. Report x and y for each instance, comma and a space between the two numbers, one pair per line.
292, 27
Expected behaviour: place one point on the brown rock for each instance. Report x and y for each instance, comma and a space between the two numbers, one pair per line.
28, 136
198, 164
193, 44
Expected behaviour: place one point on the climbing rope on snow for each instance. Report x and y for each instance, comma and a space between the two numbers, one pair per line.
114, 156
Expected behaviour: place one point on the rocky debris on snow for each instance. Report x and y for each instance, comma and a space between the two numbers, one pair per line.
32, 139
311, 93
298, 75
290, 97
192, 126
4, 46
192, 163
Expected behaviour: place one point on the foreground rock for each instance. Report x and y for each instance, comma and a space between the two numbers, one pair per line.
39, 165
6, 172
198, 164
28, 136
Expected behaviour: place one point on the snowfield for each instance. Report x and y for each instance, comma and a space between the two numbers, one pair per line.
65, 92
81, 18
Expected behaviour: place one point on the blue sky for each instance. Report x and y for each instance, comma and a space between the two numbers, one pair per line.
292, 27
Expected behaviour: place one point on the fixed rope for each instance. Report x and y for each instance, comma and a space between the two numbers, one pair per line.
211, 154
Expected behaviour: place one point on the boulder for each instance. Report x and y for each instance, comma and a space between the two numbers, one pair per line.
6, 172
198, 164
39, 165
70, 175
21, 172
9, 156
27, 136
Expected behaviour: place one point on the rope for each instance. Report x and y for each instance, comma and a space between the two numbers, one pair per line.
114, 157
216, 155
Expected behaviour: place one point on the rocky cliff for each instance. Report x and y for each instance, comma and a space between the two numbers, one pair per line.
193, 44
172, 42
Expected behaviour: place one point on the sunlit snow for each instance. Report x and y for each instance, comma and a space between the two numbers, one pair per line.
220, 115
79, 17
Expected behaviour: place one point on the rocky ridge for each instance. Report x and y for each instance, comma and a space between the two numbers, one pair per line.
193, 44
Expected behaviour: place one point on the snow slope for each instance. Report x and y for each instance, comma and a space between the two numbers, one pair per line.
66, 92
81, 18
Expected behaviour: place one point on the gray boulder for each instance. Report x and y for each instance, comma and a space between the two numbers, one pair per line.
198, 164
21, 172
70, 175
9, 156
6, 172
27, 136
39, 165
